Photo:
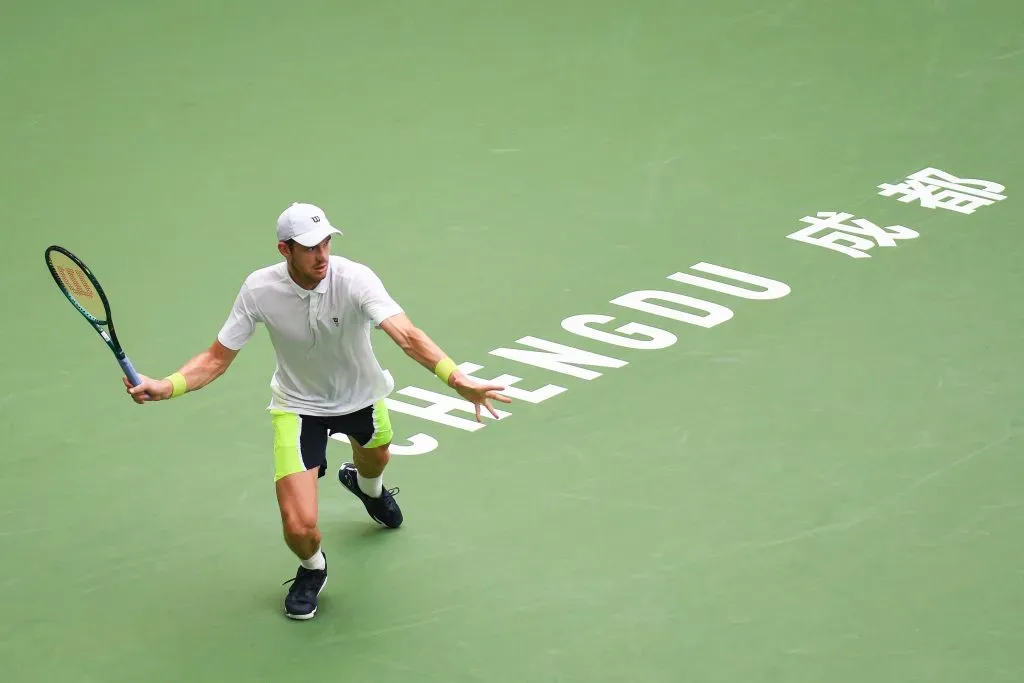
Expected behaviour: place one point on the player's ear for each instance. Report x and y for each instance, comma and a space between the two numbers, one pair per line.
284, 248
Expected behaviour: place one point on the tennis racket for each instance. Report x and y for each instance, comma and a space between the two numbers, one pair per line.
83, 290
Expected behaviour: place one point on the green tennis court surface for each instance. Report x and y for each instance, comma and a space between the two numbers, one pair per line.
823, 486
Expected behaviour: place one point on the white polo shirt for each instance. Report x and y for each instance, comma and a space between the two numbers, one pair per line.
325, 362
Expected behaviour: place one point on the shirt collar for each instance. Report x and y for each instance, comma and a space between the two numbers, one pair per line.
321, 287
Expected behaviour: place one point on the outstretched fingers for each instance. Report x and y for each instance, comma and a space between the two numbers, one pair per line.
490, 393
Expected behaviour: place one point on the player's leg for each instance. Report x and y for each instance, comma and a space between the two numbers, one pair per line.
297, 500
369, 432
370, 463
300, 459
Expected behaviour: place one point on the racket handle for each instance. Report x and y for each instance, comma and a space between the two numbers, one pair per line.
129, 371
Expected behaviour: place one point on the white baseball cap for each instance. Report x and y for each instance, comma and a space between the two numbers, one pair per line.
304, 223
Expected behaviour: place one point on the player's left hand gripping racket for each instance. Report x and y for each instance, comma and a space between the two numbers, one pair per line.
83, 290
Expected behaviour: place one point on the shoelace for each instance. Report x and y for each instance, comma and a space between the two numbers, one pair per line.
306, 579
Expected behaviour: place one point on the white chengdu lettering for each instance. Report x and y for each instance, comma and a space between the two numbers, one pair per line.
564, 360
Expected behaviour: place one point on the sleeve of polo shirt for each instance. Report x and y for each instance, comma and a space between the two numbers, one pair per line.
241, 322
374, 299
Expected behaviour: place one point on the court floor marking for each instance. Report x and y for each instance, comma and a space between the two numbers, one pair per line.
931, 187
575, 362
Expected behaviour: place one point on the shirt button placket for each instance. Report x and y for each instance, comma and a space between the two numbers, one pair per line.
314, 306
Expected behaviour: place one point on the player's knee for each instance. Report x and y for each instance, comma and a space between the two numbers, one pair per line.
297, 525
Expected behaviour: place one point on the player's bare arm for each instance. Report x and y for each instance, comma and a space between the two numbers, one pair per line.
199, 371
421, 348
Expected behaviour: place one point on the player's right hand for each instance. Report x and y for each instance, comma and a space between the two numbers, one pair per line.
149, 389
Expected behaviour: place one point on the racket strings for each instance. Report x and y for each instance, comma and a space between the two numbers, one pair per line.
76, 281
78, 286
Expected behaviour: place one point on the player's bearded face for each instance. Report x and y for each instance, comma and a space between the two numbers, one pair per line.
311, 262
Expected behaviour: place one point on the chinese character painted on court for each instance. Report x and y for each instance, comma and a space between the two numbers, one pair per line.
937, 189
854, 238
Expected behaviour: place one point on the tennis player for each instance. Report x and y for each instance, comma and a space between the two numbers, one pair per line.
319, 310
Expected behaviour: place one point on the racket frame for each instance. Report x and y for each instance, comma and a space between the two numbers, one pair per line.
104, 328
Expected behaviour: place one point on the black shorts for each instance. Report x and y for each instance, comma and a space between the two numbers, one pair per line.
300, 441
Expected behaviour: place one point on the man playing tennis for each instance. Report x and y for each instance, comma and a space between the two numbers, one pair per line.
319, 310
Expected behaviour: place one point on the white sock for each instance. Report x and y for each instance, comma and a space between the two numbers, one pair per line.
318, 561
371, 487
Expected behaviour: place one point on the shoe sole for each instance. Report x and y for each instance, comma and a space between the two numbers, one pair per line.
303, 617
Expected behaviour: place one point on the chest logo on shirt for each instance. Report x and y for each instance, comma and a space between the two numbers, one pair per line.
335, 321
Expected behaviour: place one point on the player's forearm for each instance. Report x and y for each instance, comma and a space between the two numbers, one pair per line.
421, 348
203, 369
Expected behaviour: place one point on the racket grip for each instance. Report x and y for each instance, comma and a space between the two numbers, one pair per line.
129, 371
